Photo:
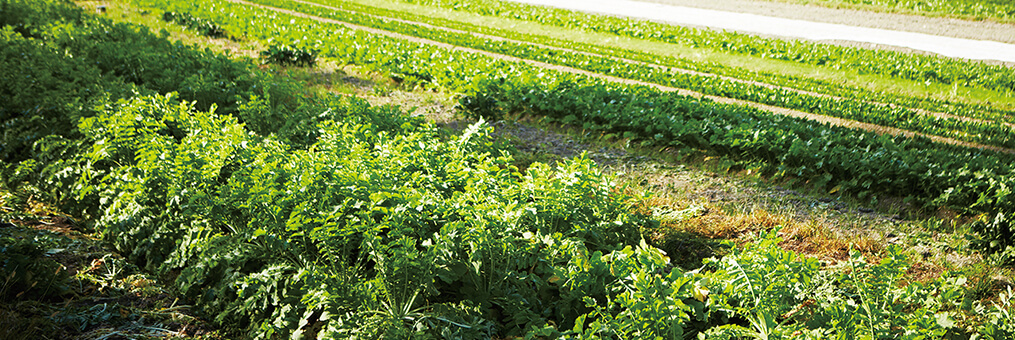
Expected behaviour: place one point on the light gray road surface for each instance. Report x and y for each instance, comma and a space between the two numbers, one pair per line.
752, 23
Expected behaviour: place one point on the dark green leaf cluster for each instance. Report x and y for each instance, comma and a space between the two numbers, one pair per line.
289, 55
31, 18
42, 91
998, 234
26, 270
204, 27
59, 65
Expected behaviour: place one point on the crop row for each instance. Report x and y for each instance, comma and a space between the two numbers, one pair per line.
977, 111
865, 61
980, 132
855, 160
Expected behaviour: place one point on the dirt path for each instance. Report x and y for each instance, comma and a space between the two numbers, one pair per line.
956, 28
778, 110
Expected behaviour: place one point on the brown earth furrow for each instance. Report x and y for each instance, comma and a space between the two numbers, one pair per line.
777, 110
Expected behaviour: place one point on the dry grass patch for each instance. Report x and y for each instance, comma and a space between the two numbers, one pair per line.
716, 223
830, 243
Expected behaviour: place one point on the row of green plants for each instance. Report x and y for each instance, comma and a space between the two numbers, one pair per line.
932, 174
302, 214
278, 54
997, 134
381, 229
996, 10
977, 111
77, 69
864, 61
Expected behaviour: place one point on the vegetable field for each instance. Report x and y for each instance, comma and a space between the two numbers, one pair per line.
275, 209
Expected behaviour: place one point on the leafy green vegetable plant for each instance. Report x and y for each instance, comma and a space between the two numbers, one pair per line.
289, 55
